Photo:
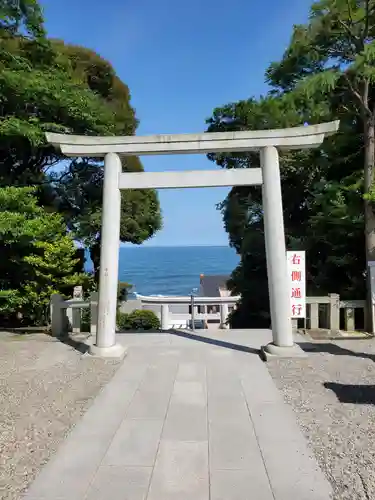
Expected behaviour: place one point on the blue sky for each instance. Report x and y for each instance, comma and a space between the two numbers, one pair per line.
181, 60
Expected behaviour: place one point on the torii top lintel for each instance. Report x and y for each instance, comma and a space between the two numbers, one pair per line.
288, 138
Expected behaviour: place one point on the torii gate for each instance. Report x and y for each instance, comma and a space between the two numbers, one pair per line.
267, 142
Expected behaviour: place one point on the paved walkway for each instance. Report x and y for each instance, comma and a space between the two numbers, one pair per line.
186, 418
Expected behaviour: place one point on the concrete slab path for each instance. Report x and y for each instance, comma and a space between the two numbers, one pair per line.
186, 417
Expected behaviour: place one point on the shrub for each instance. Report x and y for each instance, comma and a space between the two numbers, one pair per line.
123, 321
38, 258
140, 319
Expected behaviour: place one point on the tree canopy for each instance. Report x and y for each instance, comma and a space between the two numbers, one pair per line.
38, 257
72, 90
79, 198
21, 15
48, 85
326, 73
78, 187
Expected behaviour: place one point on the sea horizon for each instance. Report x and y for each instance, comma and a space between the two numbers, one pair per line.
173, 269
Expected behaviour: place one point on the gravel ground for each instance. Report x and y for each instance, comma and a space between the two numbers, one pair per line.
45, 386
333, 395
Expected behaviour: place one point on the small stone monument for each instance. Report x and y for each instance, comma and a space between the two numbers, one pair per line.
78, 292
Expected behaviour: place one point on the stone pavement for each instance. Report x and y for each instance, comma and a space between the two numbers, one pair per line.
186, 417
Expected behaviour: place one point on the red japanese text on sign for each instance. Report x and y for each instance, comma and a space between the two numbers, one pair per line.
296, 259
296, 293
296, 310
297, 284
296, 275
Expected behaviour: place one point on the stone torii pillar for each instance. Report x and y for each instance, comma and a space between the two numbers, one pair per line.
277, 272
106, 345
266, 142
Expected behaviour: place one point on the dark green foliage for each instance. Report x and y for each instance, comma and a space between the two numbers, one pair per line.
21, 15
38, 258
73, 90
332, 58
79, 198
47, 85
123, 322
140, 319
85, 319
326, 65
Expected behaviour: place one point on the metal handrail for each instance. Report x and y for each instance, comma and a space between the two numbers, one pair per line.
198, 301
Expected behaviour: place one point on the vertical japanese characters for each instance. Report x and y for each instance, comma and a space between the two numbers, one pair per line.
297, 283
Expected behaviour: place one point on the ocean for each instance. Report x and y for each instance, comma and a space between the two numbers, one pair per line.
172, 270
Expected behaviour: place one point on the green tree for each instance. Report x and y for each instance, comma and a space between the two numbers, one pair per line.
79, 186
334, 54
242, 209
18, 16
37, 96
321, 201
38, 257
79, 192
49, 85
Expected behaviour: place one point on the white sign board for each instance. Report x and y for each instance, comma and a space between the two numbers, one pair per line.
297, 283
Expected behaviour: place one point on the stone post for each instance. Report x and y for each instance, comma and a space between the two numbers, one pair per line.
105, 344
76, 312
205, 320
278, 285
224, 311
314, 315
164, 317
69, 318
76, 317
94, 313
349, 319
57, 315
334, 312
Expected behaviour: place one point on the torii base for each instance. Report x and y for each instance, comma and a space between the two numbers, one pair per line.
116, 351
273, 351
